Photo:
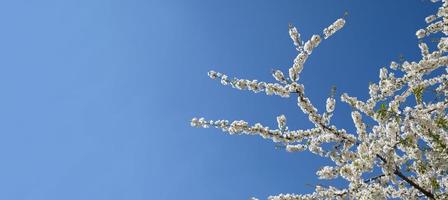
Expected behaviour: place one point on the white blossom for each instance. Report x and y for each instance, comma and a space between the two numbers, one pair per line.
281, 121
392, 136
424, 49
278, 75
327, 172
295, 36
295, 148
420, 33
430, 18
383, 73
394, 65
312, 43
329, 31
330, 104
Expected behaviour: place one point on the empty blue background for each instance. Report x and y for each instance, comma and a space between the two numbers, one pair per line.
96, 95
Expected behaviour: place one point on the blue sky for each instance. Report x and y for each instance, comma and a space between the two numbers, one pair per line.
97, 94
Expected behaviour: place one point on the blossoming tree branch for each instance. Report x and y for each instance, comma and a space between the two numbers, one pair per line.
408, 141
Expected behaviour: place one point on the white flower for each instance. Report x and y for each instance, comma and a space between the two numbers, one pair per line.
329, 31
430, 18
315, 39
402, 139
443, 44
295, 36
295, 148
424, 49
383, 73
330, 104
310, 45
420, 33
281, 121
327, 172
194, 122
278, 75
212, 74
224, 80
293, 74
394, 65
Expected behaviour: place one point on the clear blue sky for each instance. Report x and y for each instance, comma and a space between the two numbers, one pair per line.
96, 95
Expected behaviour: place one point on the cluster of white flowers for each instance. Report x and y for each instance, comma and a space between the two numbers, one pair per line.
308, 47
331, 102
320, 193
297, 67
278, 75
338, 24
404, 137
295, 36
360, 126
311, 44
253, 85
327, 172
282, 134
430, 18
296, 147
281, 121
330, 105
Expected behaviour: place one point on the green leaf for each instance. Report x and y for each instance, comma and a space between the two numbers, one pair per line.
418, 93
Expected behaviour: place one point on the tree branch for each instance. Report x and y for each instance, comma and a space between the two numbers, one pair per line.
412, 183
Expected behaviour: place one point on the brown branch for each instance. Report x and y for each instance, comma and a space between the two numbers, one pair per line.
412, 183
396, 171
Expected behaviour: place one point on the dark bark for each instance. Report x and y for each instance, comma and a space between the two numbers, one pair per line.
412, 183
